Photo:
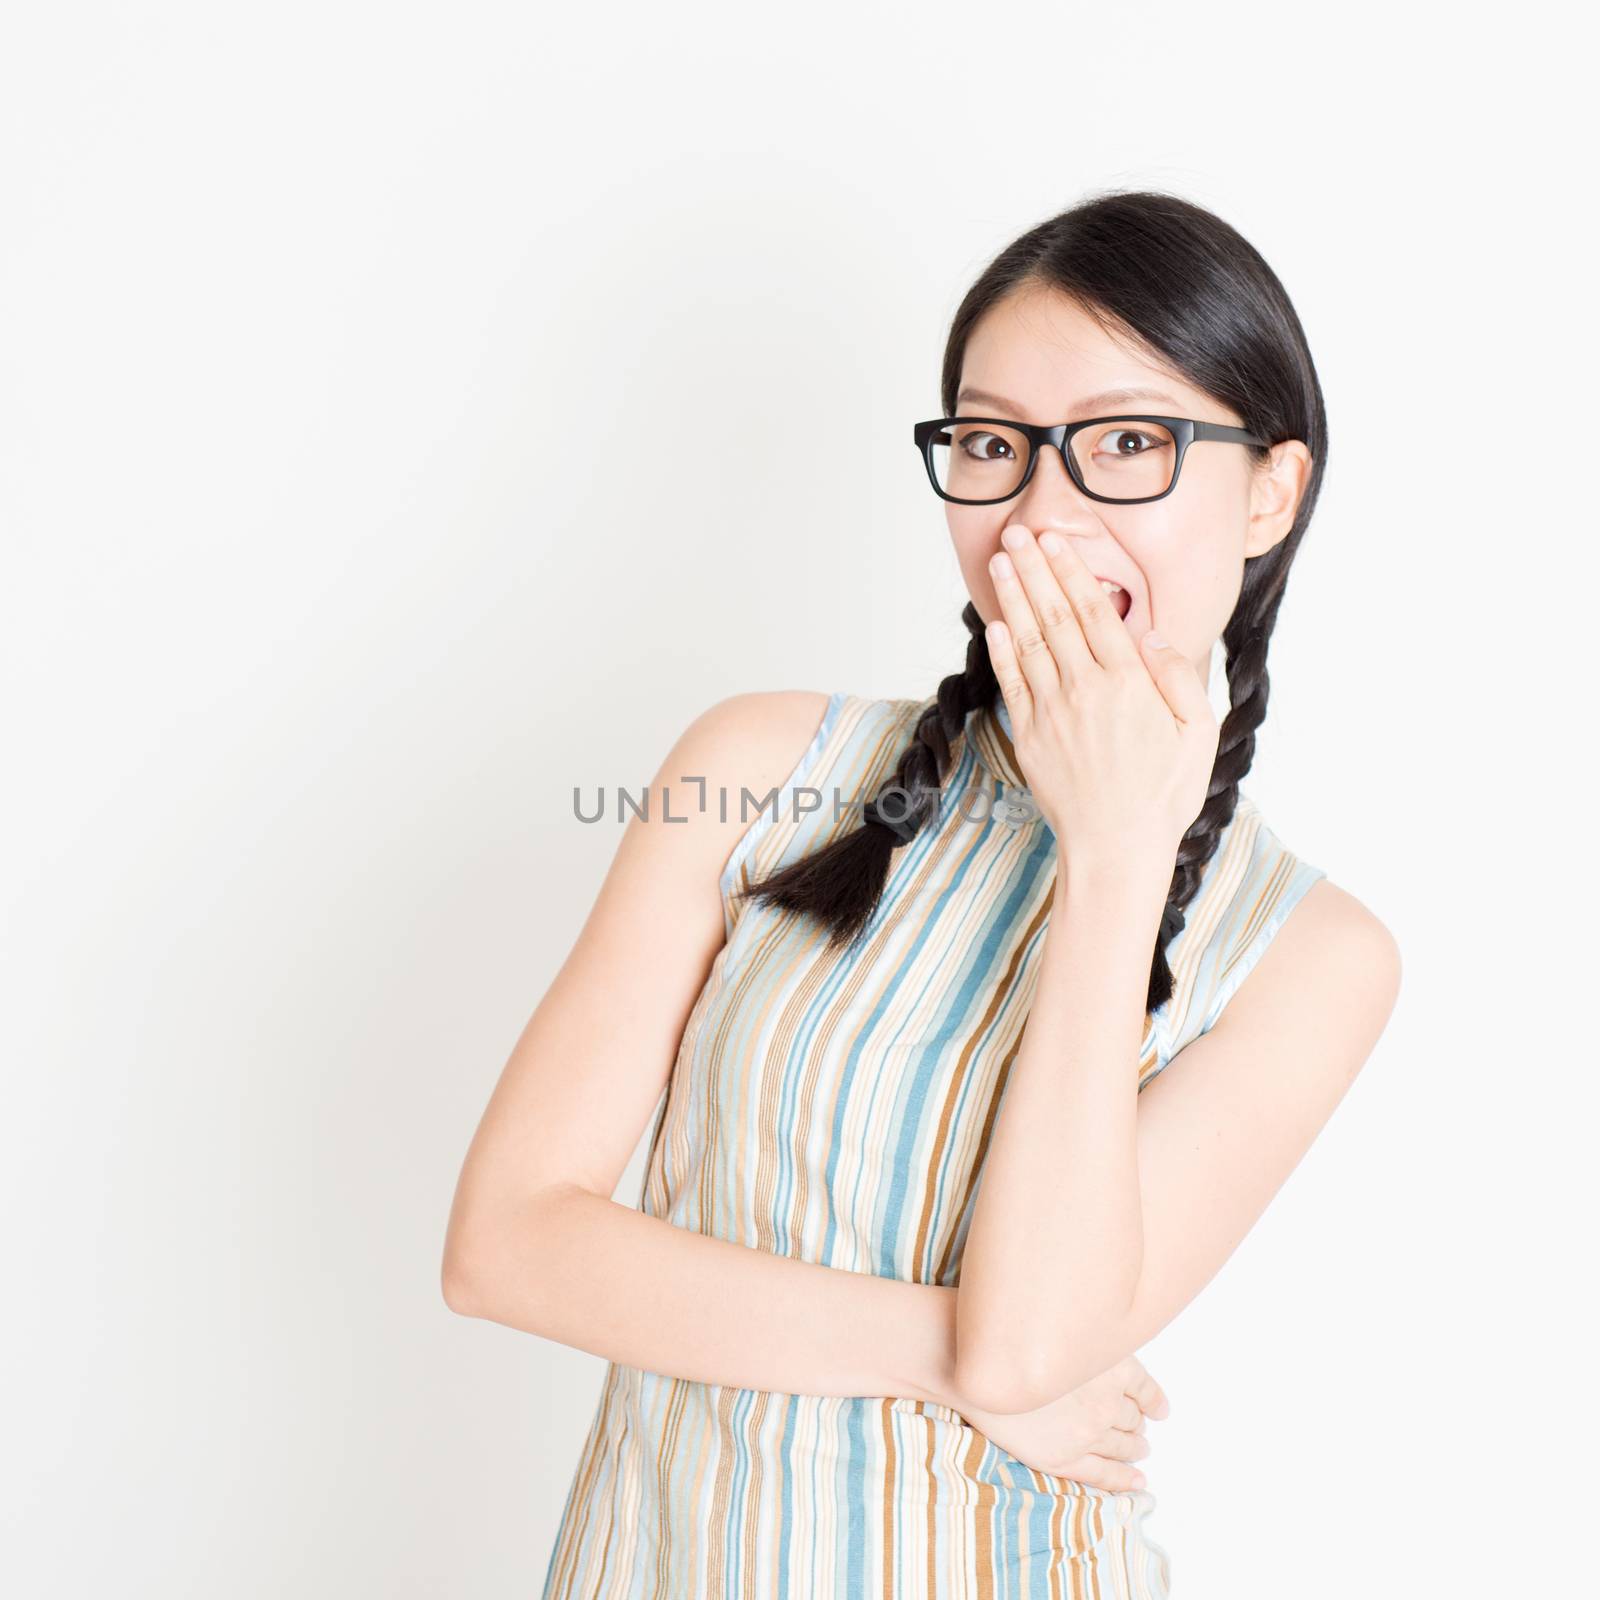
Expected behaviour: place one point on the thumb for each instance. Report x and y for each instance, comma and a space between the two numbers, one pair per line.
1174, 676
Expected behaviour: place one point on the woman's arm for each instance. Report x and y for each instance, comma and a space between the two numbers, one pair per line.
573, 1266
534, 1239
1135, 1200
1056, 1242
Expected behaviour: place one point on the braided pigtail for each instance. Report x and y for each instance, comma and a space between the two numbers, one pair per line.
1245, 639
841, 884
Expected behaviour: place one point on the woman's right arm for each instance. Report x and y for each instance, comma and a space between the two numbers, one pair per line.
534, 1239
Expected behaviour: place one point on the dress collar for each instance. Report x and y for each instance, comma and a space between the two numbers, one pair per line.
989, 729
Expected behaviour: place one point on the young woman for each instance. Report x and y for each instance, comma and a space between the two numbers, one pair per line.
969, 1088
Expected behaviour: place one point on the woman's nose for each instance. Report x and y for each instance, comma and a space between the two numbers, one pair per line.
1052, 500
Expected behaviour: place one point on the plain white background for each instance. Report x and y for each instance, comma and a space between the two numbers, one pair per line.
352, 359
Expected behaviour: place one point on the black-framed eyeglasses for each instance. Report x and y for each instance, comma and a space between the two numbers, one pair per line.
980, 461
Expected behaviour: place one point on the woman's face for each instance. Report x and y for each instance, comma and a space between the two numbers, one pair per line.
1038, 357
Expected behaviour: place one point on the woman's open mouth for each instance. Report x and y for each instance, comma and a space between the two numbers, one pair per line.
1120, 597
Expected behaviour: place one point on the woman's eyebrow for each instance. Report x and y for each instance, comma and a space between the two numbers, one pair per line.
1088, 406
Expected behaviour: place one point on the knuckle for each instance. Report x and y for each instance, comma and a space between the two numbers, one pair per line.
1029, 642
1094, 608
1054, 613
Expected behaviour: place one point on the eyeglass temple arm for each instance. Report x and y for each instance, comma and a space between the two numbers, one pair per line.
1227, 435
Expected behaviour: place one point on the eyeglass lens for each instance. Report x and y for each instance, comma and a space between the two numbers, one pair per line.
1121, 459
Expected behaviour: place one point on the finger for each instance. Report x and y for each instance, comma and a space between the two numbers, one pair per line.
1101, 1473
1176, 678
1027, 639
1107, 636
1150, 1397
1123, 1445
1008, 671
1058, 618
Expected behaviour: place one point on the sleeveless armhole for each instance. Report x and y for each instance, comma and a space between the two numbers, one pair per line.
1257, 882
767, 816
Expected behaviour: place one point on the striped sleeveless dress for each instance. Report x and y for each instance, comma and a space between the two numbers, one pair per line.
836, 1108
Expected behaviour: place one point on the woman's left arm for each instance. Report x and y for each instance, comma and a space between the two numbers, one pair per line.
1103, 1211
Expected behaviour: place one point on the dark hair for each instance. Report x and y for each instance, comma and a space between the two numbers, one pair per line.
1195, 291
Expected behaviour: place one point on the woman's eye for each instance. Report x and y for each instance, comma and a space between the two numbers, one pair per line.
982, 446
1126, 442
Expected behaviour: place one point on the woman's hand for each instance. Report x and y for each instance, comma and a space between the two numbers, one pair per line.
1091, 1435
1117, 739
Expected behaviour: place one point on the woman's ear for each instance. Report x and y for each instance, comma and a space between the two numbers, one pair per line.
1275, 493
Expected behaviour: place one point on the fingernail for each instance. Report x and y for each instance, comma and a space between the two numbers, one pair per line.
1001, 565
1155, 641
1050, 543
